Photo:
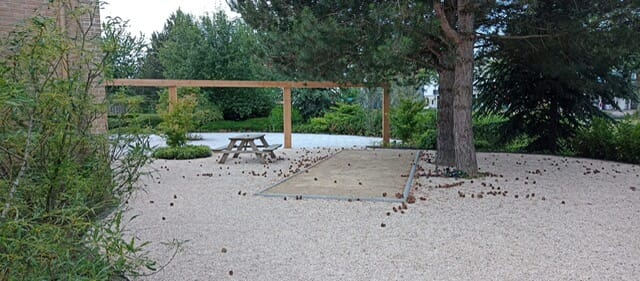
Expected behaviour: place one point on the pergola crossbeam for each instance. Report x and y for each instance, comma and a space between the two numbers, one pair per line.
228, 83
286, 86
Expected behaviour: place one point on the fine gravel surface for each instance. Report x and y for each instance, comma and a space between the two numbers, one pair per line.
531, 217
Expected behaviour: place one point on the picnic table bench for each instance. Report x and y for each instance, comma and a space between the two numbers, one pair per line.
246, 143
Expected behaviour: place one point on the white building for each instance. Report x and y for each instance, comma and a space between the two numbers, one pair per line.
430, 94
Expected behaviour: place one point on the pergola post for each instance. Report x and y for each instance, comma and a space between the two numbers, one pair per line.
286, 113
386, 108
173, 96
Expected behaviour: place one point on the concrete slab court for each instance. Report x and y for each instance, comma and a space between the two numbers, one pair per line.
368, 175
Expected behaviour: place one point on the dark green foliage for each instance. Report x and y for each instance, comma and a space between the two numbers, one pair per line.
261, 124
405, 118
414, 125
183, 152
148, 120
314, 103
357, 41
276, 122
596, 141
487, 132
426, 134
216, 48
548, 86
241, 104
123, 52
343, 119
604, 139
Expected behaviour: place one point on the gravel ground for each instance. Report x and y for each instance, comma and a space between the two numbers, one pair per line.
573, 219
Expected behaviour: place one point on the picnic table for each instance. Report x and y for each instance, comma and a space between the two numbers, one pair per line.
246, 143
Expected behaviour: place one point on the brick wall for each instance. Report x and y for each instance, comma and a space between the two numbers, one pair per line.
15, 12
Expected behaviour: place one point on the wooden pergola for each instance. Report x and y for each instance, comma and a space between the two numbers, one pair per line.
286, 87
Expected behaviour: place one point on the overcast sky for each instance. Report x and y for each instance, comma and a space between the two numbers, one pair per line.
147, 16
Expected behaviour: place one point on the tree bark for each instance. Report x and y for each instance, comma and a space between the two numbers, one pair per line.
446, 146
465, 152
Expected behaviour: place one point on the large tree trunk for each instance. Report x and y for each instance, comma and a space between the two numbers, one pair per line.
465, 152
446, 146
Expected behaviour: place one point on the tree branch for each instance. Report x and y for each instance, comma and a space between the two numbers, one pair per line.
518, 37
448, 31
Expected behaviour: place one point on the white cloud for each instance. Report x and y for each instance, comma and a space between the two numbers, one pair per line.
147, 16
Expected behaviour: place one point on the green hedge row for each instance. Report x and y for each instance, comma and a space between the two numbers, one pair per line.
183, 152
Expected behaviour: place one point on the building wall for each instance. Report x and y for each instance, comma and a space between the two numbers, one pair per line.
15, 12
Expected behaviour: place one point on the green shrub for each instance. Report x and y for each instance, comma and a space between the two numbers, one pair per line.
628, 141
427, 139
204, 111
276, 123
183, 152
487, 132
151, 121
596, 141
609, 140
343, 119
314, 102
413, 124
250, 125
61, 186
242, 104
178, 121
405, 120
373, 123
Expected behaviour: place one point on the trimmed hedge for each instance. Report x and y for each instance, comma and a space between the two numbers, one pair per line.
183, 152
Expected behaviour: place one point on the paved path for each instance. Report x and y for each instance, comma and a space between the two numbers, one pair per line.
298, 140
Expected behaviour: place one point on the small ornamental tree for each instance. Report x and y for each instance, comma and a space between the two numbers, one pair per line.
178, 121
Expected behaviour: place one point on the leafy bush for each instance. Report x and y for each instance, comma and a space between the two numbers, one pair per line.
183, 152
261, 124
487, 132
596, 141
404, 119
628, 141
204, 111
150, 120
618, 141
373, 122
276, 122
61, 187
313, 102
178, 121
242, 104
427, 139
344, 119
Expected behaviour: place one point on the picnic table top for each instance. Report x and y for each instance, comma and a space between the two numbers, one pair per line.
246, 137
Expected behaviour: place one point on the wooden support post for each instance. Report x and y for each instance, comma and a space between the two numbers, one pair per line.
386, 108
286, 113
173, 96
